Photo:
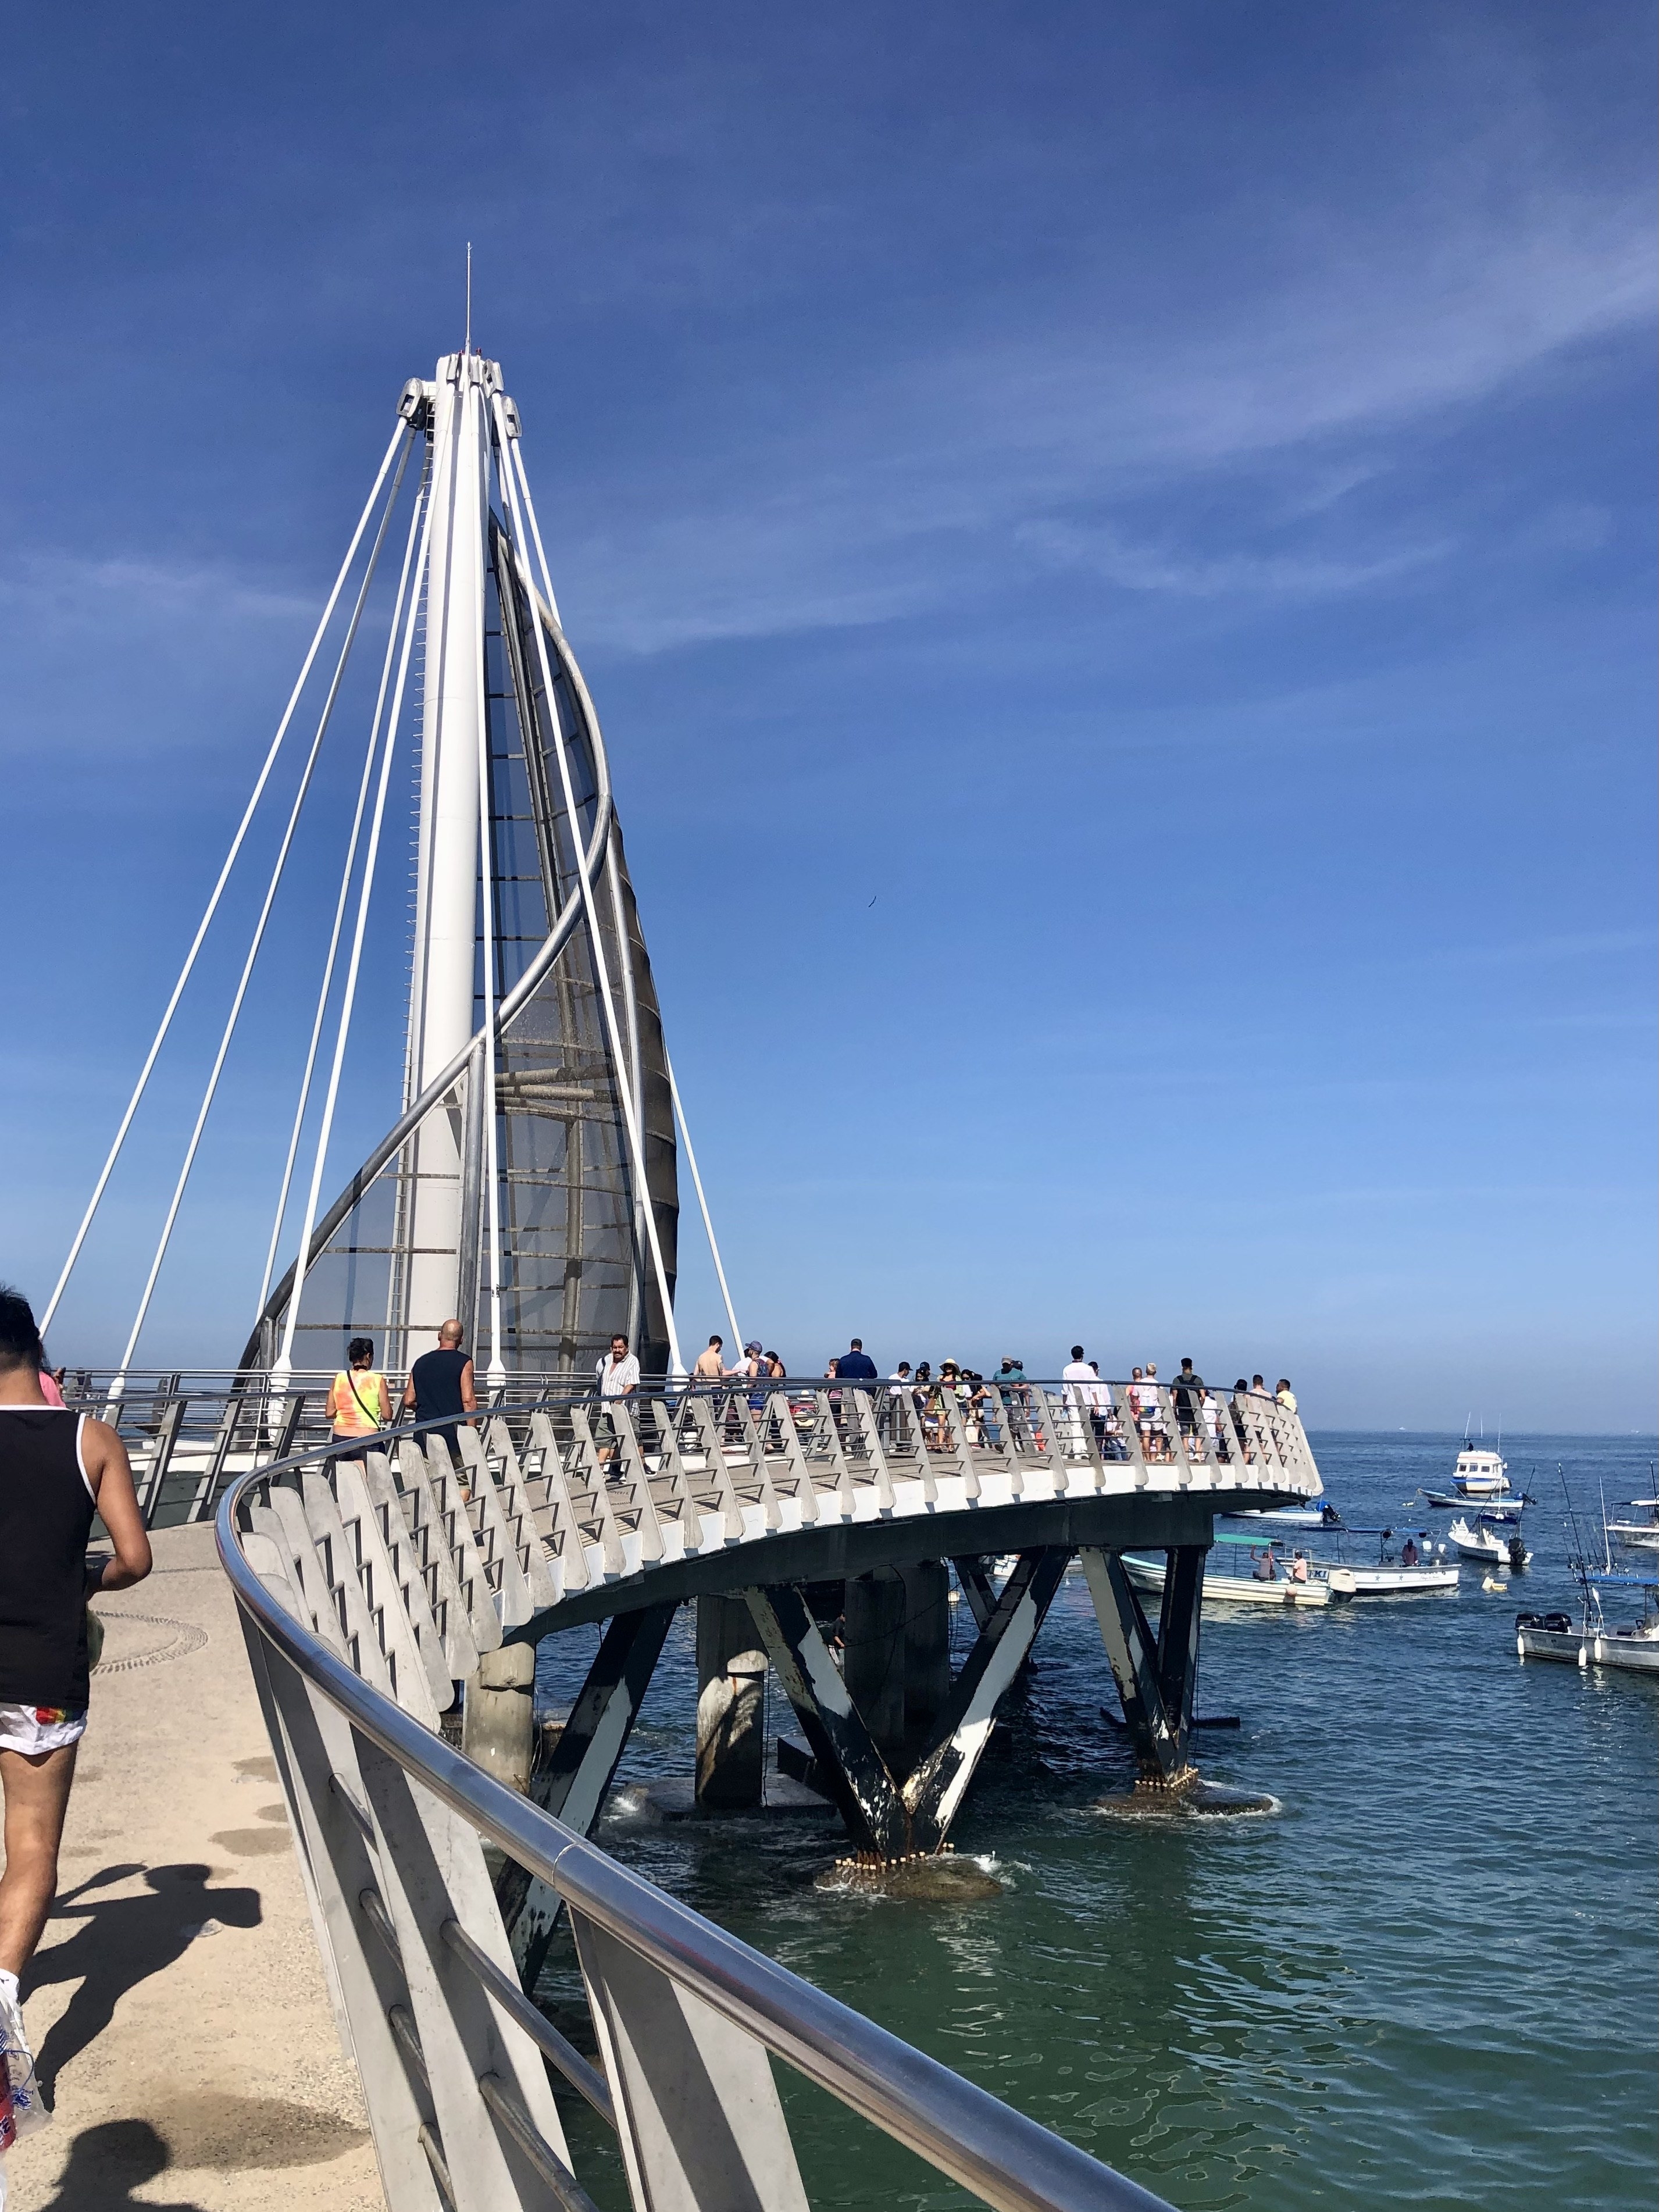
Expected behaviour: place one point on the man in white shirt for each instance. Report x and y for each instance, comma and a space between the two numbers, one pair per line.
1099, 1398
619, 1371
899, 1402
1078, 1374
619, 1377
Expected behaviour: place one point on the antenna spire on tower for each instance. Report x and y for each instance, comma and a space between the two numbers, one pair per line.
468, 347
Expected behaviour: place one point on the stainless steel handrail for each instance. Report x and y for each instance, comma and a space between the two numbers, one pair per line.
1011, 2161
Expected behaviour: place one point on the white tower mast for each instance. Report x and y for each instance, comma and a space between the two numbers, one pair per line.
441, 1007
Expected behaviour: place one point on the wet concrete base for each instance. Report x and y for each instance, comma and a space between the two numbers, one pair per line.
1192, 1799
674, 1797
928, 1878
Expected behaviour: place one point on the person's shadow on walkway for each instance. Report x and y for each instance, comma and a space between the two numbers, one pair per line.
115, 2156
125, 1940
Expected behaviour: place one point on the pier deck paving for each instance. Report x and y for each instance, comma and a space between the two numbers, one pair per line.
177, 2003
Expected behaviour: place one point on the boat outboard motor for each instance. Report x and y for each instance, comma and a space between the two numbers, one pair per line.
1517, 1554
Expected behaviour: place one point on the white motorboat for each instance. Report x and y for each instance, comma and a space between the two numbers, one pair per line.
1480, 1473
1283, 1589
1641, 1536
1387, 1580
1632, 1647
1485, 1547
1411, 1575
1291, 1517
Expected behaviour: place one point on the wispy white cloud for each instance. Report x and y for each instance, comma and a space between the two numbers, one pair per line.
1110, 555
946, 474
980, 454
70, 591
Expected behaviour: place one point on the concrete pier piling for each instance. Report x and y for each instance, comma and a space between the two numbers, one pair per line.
498, 1727
731, 1707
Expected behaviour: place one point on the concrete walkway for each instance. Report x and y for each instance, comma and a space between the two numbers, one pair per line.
177, 1997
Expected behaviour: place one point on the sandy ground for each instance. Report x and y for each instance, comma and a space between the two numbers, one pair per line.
176, 2004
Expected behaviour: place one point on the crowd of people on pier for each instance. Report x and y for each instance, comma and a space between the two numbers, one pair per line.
1152, 1409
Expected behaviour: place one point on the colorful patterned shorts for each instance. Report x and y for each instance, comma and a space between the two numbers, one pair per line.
33, 1729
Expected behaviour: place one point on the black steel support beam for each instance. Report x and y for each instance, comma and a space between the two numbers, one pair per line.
977, 1587
937, 1785
573, 1783
857, 1775
1158, 1725
1177, 1639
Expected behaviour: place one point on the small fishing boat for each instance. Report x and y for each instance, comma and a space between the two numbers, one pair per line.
1494, 1509
1631, 1647
1413, 1574
1291, 1517
1389, 1579
1485, 1547
1284, 1587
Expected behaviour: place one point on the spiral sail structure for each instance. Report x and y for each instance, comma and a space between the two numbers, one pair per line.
529, 1187
507, 1000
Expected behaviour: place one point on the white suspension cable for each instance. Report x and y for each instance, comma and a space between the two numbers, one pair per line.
283, 1365
340, 903
631, 1023
697, 1180
347, 872
496, 1373
518, 486
399, 434
117, 1386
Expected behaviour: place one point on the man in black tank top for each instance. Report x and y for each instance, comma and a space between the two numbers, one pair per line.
440, 1382
57, 1469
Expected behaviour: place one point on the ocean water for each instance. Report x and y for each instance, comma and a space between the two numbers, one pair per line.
1428, 1977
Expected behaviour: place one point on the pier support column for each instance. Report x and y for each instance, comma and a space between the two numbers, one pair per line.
1155, 1676
855, 1770
938, 1781
927, 1651
1178, 1622
873, 1667
731, 1706
881, 1816
572, 1784
498, 1726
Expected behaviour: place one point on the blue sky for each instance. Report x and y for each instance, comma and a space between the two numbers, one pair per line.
1113, 546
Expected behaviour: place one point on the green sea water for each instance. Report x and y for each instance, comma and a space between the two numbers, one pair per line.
1428, 1978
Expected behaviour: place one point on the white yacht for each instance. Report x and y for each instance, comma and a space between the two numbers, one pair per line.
1644, 1536
1480, 1473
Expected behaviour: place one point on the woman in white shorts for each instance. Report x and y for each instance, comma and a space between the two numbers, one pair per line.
57, 1469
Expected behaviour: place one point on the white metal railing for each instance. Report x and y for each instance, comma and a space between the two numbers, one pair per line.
357, 1600
679, 1467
